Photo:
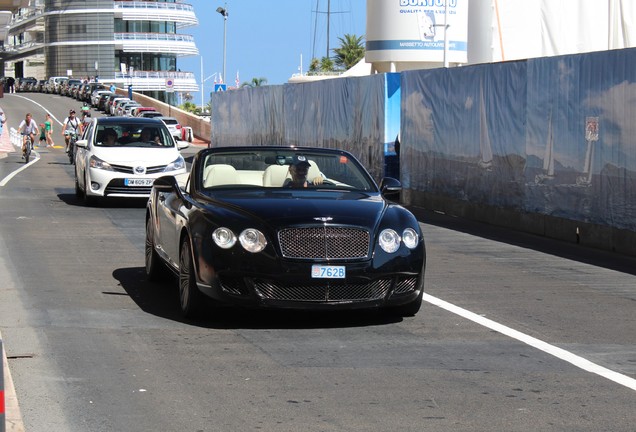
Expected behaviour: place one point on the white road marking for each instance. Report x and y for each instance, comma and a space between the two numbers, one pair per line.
23, 167
560, 353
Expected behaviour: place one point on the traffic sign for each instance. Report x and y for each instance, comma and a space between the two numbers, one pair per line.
169, 85
220, 87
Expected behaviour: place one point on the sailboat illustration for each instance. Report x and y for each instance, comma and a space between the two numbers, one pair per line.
485, 145
548, 156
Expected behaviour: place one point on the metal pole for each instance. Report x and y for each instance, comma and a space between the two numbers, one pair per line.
446, 34
224, 42
202, 91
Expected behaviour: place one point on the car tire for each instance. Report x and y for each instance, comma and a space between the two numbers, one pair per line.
78, 191
190, 298
408, 309
154, 265
88, 200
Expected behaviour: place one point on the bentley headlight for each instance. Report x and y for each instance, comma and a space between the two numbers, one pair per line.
224, 238
252, 240
177, 164
389, 240
96, 162
410, 238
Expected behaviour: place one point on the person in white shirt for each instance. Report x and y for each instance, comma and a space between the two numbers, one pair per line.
70, 124
28, 127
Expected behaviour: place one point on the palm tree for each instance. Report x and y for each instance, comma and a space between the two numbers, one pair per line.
326, 64
256, 82
351, 51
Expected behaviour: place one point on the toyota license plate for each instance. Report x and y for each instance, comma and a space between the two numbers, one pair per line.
138, 182
328, 272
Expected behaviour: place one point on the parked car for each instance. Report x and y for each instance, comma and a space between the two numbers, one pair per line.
135, 111
65, 87
96, 96
88, 89
102, 103
53, 83
173, 125
127, 165
60, 84
124, 109
25, 84
112, 104
41, 85
238, 233
150, 114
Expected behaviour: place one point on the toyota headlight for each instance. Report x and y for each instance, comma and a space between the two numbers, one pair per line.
177, 164
96, 162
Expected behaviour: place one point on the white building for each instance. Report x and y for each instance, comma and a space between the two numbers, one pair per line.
127, 42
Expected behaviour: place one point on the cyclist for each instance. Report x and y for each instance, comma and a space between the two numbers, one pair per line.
70, 124
28, 127
86, 110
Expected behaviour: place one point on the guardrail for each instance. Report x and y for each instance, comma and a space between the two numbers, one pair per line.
15, 138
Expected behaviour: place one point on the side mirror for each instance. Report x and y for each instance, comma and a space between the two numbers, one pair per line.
182, 144
390, 188
166, 182
82, 143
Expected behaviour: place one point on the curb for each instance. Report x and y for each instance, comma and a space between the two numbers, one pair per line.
10, 416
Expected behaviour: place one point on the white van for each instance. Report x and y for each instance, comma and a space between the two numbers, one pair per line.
52, 86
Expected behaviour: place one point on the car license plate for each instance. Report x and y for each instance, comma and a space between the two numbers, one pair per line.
328, 272
138, 182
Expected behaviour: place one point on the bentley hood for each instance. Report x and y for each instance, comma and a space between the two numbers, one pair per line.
284, 208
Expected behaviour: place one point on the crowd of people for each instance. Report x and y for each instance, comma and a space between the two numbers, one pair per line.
28, 127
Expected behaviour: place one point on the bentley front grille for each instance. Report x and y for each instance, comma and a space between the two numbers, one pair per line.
340, 292
324, 242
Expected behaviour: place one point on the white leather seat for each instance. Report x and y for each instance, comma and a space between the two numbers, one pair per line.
220, 174
275, 175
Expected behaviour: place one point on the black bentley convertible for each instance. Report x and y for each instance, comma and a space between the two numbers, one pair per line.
284, 227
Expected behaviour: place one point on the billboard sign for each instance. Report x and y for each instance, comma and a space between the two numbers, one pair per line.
415, 30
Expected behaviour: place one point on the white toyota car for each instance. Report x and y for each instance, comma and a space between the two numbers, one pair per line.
122, 156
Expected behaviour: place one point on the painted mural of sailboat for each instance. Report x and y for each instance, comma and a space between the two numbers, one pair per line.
485, 146
548, 156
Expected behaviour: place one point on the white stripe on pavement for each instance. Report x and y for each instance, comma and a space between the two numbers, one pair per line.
560, 353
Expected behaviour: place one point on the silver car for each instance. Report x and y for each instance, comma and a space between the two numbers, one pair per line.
173, 126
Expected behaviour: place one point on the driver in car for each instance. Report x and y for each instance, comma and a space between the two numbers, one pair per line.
298, 170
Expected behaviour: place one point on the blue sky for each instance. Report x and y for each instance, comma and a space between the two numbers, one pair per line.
265, 39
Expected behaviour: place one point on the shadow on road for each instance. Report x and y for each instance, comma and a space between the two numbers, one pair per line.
163, 300
562, 249
72, 200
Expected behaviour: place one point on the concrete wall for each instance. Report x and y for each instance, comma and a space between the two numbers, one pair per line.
201, 127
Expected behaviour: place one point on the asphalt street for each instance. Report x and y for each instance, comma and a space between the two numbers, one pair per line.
517, 332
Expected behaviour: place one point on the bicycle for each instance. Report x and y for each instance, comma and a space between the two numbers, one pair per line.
71, 147
28, 148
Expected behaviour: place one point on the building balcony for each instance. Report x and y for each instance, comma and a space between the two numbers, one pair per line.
179, 44
182, 14
156, 80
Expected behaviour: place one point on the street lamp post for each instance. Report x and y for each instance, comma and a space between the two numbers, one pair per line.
223, 11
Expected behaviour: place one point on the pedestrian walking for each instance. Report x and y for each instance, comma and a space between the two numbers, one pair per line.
11, 84
48, 129
42, 136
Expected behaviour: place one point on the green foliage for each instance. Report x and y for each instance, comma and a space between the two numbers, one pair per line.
256, 82
351, 51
